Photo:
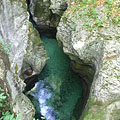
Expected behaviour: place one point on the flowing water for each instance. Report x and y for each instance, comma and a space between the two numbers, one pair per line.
58, 93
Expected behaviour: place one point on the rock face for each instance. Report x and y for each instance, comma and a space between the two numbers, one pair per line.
15, 31
35, 57
46, 13
21, 103
93, 43
58, 6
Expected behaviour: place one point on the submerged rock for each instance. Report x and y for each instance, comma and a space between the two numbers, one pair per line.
94, 51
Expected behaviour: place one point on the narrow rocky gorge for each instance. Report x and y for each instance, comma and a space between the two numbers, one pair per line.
59, 83
89, 44
58, 90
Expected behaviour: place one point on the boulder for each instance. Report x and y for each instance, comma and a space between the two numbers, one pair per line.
58, 6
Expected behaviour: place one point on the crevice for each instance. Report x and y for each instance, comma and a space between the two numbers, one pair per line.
30, 15
86, 79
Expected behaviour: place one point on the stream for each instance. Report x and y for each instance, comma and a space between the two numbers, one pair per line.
58, 93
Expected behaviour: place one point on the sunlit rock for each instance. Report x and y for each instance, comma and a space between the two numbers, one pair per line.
14, 32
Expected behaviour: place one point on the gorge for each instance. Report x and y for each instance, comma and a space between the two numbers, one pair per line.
66, 61
59, 90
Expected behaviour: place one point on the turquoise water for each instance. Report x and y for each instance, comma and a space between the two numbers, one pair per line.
58, 91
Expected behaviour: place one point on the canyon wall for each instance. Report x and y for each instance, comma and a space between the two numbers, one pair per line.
91, 38
20, 42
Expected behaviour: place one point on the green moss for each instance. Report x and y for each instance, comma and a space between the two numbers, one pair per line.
94, 113
34, 35
40, 10
96, 110
97, 116
91, 102
116, 114
64, 19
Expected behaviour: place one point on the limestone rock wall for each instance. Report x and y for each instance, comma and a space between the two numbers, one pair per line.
94, 50
16, 31
13, 31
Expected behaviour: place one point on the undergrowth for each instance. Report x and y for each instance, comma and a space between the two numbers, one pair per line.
87, 10
6, 112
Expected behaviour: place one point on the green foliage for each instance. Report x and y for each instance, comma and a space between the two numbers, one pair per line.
99, 23
87, 11
75, 8
64, 19
88, 26
74, 26
5, 47
6, 114
116, 20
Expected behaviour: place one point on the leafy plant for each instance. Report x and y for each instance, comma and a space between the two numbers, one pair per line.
5, 47
74, 26
6, 114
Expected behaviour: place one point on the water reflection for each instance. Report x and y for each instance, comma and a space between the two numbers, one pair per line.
43, 93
